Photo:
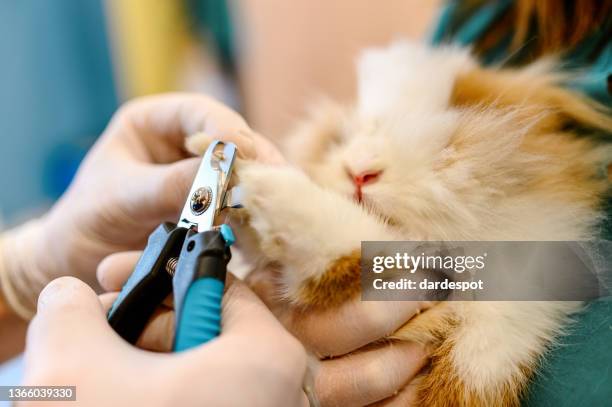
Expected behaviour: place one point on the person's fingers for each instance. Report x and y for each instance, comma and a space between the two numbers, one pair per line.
158, 193
266, 152
351, 326
114, 270
255, 147
163, 192
69, 300
69, 315
112, 273
339, 330
304, 402
263, 282
246, 319
244, 313
199, 142
158, 335
174, 116
67, 309
107, 300
407, 397
368, 376
258, 345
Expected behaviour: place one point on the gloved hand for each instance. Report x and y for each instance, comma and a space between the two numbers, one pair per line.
136, 176
254, 362
365, 369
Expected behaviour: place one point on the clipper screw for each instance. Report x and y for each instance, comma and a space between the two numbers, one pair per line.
200, 200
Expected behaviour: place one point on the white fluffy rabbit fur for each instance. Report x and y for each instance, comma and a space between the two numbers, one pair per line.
435, 148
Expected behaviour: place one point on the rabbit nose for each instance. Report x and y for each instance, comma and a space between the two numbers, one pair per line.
366, 177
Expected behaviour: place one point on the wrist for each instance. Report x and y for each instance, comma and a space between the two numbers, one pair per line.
21, 275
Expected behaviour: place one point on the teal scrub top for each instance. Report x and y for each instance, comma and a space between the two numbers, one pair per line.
578, 370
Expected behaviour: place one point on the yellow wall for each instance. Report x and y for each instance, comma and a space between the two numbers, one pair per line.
148, 39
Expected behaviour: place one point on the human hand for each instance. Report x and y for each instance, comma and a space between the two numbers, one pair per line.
358, 367
359, 364
135, 177
71, 344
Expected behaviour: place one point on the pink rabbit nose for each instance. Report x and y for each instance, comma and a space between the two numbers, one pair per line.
366, 177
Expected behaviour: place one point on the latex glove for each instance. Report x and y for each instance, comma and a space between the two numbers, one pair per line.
359, 366
130, 181
254, 362
366, 369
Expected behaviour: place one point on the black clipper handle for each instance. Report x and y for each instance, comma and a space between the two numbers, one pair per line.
149, 284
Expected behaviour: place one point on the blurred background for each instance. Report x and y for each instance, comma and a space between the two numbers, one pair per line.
67, 65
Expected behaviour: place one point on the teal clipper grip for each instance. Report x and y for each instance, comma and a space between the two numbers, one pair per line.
201, 317
198, 284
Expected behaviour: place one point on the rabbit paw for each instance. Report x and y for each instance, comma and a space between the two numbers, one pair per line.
313, 234
282, 204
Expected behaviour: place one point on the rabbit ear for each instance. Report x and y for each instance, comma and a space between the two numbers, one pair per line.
537, 89
408, 76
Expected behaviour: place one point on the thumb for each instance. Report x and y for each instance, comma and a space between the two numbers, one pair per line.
69, 316
165, 191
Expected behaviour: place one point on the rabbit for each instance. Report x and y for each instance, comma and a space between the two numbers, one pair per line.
435, 147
